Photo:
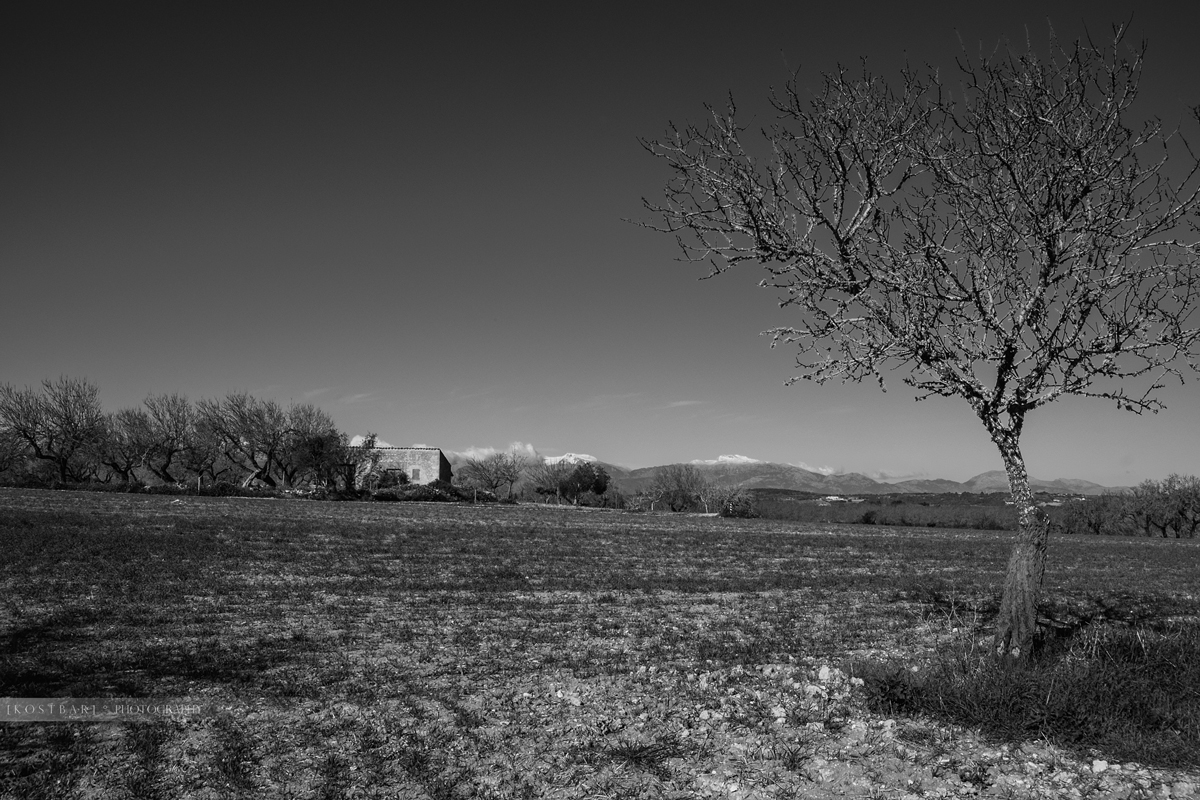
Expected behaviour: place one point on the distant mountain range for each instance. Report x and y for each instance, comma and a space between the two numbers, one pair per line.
751, 474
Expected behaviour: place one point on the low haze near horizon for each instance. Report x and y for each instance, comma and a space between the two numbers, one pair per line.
415, 222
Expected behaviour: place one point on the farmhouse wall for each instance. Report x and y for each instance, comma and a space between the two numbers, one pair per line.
421, 464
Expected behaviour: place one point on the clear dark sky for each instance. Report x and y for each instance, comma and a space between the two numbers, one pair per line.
414, 221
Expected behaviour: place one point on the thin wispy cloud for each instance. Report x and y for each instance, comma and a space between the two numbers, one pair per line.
357, 398
684, 403
311, 393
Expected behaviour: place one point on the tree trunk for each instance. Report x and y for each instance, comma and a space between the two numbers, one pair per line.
1017, 623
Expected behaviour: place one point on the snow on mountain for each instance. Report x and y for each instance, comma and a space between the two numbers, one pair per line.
571, 458
730, 459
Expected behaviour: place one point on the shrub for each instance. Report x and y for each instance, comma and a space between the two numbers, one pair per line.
438, 491
169, 489
739, 505
99, 486
471, 494
981, 512
890, 688
391, 478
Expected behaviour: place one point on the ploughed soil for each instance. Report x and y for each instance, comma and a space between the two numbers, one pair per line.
321, 649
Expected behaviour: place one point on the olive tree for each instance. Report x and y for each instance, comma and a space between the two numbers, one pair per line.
585, 478
1010, 240
62, 424
550, 478
12, 448
174, 440
312, 446
126, 442
1170, 506
252, 433
492, 471
682, 486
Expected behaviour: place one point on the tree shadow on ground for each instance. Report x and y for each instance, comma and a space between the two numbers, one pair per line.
1114, 673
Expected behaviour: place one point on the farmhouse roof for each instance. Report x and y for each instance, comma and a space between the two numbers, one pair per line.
390, 447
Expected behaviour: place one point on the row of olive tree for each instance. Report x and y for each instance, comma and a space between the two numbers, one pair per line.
59, 432
575, 483
582, 483
683, 487
1167, 508
491, 472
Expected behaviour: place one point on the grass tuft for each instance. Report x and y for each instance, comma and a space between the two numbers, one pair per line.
1129, 692
650, 757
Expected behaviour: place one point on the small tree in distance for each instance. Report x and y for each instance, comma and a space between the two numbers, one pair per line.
1008, 242
583, 479
493, 471
680, 486
550, 478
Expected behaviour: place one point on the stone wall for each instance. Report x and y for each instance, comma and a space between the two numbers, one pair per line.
421, 464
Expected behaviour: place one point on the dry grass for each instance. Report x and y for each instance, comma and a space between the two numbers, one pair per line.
399, 650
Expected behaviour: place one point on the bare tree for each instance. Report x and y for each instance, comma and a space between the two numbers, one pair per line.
1011, 242
1103, 514
311, 441
126, 442
204, 458
493, 471
1184, 494
362, 463
252, 433
172, 430
1148, 507
713, 496
681, 486
1170, 506
479, 473
62, 424
550, 478
512, 468
12, 448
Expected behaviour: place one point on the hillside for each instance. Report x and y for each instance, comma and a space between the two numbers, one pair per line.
764, 475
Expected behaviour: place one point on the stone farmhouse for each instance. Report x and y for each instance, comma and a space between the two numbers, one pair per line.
421, 464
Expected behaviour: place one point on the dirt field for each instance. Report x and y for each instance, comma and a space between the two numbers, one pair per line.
424, 650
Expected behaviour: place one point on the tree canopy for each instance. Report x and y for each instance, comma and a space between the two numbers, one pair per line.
1010, 239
